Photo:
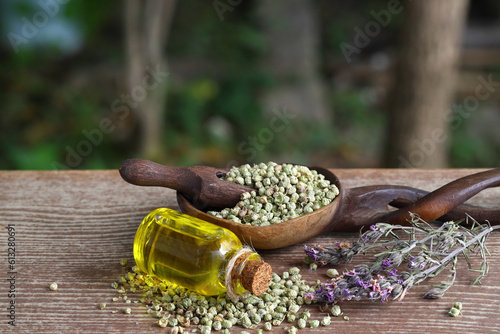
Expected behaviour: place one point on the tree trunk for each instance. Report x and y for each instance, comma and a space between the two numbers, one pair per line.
292, 37
424, 83
147, 25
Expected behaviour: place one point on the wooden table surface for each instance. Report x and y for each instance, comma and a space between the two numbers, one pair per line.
73, 227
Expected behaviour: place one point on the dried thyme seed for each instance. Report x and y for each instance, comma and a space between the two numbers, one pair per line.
332, 273
456, 310
216, 325
205, 330
246, 322
294, 308
276, 322
162, 322
256, 319
336, 311
304, 315
283, 192
326, 321
268, 326
226, 323
314, 323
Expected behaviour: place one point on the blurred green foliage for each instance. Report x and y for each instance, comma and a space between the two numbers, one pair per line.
46, 113
49, 98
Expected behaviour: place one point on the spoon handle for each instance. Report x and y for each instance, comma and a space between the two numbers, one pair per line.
368, 205
443, 200
148, 173
478, 213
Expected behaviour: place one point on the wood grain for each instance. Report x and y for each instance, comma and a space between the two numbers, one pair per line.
73, 227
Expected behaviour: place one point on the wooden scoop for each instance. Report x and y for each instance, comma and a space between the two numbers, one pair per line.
201, 184
360, 207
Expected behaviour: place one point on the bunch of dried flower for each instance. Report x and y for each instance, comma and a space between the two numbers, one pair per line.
427, 252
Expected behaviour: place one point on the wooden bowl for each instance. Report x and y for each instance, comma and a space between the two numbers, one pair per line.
284, 234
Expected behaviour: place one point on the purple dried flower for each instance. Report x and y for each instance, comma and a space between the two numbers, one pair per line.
384, 294
311, 252
434, 293
351, 273
393, 272
417, 262
380, 280
351, 286
341, 253
310, 295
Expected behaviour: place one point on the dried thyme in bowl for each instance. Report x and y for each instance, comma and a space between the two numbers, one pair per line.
283, 192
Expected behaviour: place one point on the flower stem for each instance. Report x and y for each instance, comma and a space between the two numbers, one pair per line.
455, 252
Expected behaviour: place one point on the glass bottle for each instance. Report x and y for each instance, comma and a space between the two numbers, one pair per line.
198, 255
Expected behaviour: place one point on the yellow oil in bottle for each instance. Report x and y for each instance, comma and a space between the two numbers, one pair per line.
187, 251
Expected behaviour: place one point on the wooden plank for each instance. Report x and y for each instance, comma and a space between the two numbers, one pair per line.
73, 227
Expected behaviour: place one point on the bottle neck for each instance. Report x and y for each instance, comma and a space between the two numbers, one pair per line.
234, 270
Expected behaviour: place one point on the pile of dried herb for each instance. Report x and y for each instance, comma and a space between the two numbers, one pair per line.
173, 306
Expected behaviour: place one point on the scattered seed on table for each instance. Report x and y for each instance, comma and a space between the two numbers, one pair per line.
332, 273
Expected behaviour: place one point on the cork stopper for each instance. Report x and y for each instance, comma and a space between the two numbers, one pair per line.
256, 276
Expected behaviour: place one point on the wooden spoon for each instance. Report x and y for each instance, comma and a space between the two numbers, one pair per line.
360, 207
201, 184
